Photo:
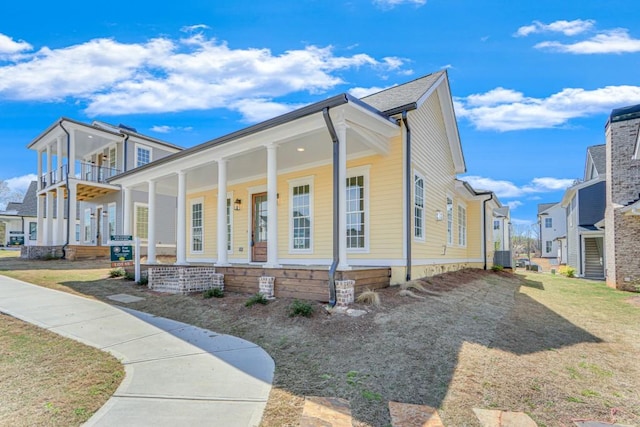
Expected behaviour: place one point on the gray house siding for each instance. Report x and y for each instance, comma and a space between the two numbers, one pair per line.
592, 204
165, 217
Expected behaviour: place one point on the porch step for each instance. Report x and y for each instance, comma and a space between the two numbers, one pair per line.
76, 252
407, 415
326, 412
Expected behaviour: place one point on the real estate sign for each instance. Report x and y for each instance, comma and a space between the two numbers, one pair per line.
121, 253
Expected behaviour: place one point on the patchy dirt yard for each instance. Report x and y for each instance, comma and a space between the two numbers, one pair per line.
557, 348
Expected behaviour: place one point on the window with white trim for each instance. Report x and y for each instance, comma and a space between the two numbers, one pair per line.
449, 220
229, 224
300, 193
496, 224
33, 231
462, 225
111, 214
548, 246
113, 160
356, 212
418, 206
87, 225
197, 225
143, 155
141, 221
548, 222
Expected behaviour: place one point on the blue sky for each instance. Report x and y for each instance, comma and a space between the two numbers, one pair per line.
533, 82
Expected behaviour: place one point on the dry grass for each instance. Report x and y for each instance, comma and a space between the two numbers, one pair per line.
408, 286
556, 348
48, 380
4, 253
408, 293
369, 297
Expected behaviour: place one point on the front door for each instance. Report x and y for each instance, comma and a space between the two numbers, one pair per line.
259, 229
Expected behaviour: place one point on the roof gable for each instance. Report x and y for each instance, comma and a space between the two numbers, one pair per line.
596, 162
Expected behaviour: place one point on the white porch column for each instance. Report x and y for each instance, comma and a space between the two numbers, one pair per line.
49, 236
59, 159
59, 236
72, 214
40, 218
71, 155
151, 248
222, 214
49, 165
341, 130
272, 206
126, 210
39, 172
181, 226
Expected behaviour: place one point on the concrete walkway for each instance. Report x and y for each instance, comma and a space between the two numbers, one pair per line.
176, 374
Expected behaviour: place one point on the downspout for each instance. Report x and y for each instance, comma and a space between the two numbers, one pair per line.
66, 179
336, 212
484, 229
408, 184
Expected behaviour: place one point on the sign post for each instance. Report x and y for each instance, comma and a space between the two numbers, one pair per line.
121, 250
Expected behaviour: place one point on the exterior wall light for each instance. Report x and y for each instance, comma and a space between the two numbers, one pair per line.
236, 204
439, 215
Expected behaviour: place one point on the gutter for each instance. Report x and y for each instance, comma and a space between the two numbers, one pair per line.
66, 179
336, 212
484, 228
408, 183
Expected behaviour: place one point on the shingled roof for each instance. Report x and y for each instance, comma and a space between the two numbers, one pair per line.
29, 204
598, 154
544, 206
404, 96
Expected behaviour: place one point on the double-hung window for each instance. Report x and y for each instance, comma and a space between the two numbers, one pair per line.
418, 207
496, 224
548, 246
143, 155
229, 224
111, 214
548, 222
87, 225
356, 212
462, 225
197, 222
141, 225
300, 193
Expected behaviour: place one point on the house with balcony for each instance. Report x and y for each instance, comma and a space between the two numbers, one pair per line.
76, 206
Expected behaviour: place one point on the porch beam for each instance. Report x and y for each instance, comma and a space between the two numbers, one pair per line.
181, 233
126, 210
59, 228
151, 224
272, 206
71, 155
40, 152
71, 215
222, 214
40, 232
59, 159
49, 165
49, 236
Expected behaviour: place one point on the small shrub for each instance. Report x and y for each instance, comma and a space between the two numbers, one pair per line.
117, 272
256, 299
369, 297
129, 275
213, 293
407, 286
497, 268
144, 281
300, 308
568, 271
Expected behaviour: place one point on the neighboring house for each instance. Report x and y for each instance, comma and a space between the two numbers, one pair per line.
502, 237
622, 216
343, 184
19, 220
585, 207
80, 158
552, 223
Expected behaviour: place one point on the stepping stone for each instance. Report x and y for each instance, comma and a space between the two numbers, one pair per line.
497, 418
326, 412
597, 424
124, 298
407, 415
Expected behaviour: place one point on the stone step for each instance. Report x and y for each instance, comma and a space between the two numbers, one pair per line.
498, 418
407, 415
326, 412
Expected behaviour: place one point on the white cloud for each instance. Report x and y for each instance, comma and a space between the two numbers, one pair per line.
361, 92
257, 110
507, 110
169, 129
166, 75
568, 28
514, 204
192, 28
522, 222
20, 183
507, 189
9, 47
612, 41
390, 4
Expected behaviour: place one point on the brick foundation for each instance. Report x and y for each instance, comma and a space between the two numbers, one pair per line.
345, 292
41, 252
184, 279
266, 286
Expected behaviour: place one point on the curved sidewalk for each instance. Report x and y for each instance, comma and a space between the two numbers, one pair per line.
176, 374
